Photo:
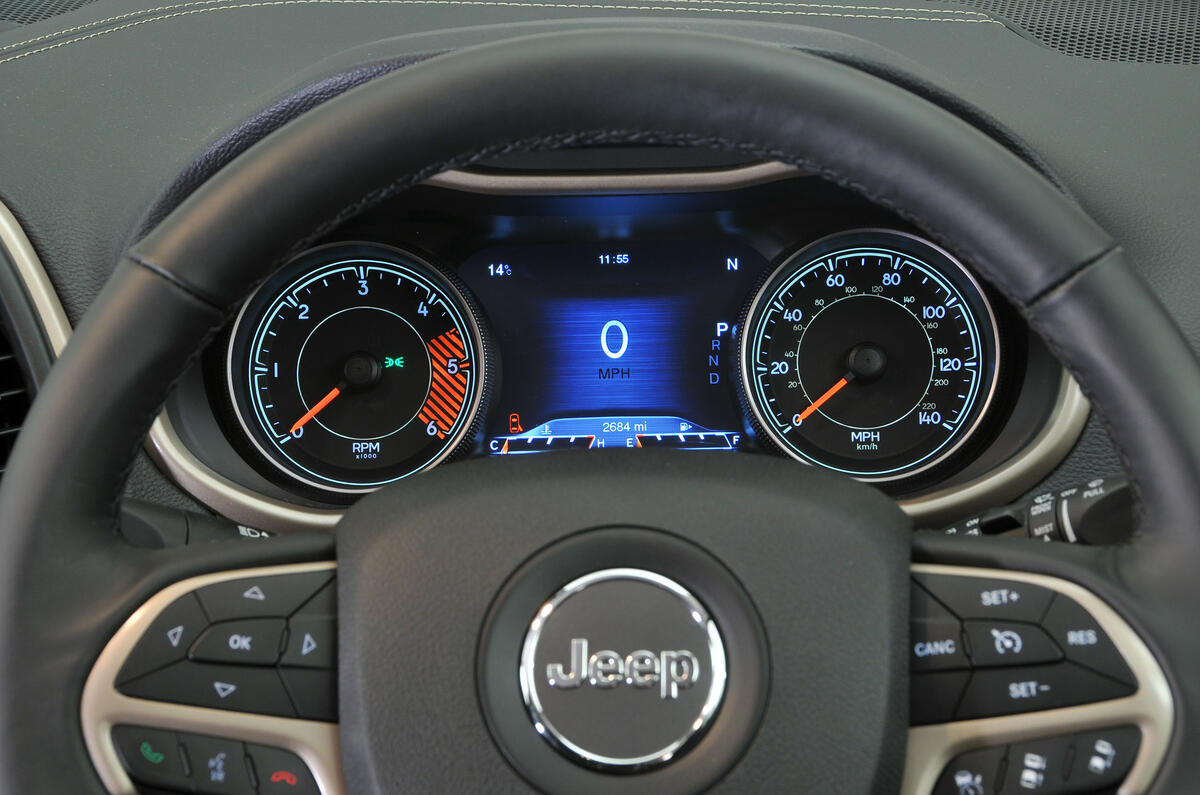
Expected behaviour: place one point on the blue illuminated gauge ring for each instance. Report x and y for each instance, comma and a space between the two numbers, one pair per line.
355, 366
871, 352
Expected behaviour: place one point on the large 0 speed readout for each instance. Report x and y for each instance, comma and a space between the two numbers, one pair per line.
871, 353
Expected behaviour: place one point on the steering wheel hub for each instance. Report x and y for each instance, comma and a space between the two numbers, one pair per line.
640, 672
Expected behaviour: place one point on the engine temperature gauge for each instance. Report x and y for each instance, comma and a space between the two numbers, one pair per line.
356, 366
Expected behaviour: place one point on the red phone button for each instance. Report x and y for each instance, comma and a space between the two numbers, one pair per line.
281, 771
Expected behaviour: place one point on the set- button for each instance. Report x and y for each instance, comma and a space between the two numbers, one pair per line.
983, 647
265, 645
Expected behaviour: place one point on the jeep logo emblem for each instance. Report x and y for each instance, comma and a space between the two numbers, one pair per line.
674, 670
613, 708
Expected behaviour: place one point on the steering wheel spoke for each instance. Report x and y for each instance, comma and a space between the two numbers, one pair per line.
225, 680
1028, 682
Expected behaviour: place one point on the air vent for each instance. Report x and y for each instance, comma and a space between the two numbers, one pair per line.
14, 398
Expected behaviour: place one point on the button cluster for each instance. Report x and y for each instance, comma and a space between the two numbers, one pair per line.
179, 762
1094, 761
981, 647
266, 645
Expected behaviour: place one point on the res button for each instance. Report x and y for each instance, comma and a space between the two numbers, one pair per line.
1081, 637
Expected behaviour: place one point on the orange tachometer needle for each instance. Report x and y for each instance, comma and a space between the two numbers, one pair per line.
315, 410
816, 404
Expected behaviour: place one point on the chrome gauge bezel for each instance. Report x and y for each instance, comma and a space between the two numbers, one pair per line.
770, 285
466, 317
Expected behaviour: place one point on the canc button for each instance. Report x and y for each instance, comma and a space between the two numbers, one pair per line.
279, 772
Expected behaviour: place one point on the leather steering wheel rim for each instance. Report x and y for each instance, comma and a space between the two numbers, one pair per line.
68, 578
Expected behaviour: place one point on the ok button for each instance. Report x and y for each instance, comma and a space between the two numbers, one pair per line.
254, 641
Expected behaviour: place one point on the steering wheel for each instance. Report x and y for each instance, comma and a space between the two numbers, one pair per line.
797, 581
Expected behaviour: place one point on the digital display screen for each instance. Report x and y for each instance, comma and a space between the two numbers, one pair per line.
628, 344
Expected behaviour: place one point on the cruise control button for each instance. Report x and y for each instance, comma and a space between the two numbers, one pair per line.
151, 756
1007, 643
935, 635
1102, 758
219, 686
1084, 642
280, 772
219, 766
252, 642
167, 639
1005, 691
973, 773
1039, 766
313, 691
933, 697
987, 597
267, 596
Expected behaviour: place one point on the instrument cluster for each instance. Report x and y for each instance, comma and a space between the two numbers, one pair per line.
787, 318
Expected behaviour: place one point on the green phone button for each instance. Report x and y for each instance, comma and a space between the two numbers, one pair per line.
151, 756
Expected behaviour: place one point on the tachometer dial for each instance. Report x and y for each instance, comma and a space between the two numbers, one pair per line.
356, 366
872, 353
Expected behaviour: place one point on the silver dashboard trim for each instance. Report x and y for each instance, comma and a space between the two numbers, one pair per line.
1018, 474
102, 707
222, 495
1063, 427
37, 282
565, 184
1151, 708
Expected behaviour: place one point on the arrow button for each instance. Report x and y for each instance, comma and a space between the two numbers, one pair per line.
167, 639
312, 642
242, 688
261, 597
174, 635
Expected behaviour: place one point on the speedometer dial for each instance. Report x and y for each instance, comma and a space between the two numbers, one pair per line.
872, 353
356, 366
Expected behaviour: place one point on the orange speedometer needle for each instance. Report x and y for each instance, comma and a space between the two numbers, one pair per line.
315, 410
816, 404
